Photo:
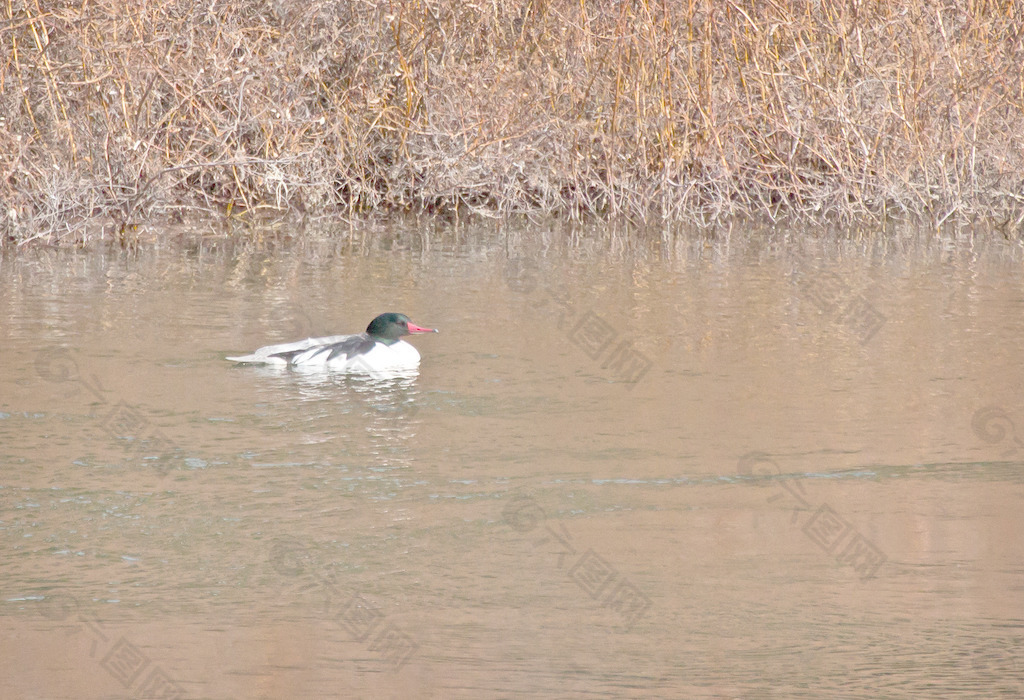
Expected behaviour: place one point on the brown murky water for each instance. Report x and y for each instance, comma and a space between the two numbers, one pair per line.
764, 465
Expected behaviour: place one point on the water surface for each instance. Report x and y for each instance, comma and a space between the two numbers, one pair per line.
743, 464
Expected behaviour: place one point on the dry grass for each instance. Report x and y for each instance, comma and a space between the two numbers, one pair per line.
114, 112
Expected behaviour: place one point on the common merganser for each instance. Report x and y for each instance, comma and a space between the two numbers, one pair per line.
379, 348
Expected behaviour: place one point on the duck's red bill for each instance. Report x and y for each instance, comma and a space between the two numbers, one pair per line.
413, 328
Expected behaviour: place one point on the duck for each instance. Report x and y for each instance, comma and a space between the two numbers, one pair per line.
379, 348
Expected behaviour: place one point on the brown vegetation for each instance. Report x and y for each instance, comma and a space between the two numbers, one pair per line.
114, 111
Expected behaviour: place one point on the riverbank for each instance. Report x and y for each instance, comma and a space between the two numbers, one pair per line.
116, 113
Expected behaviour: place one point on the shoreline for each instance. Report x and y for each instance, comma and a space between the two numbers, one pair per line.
688, 114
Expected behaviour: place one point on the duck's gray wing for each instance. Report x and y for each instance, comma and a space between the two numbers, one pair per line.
348, 346
287, 352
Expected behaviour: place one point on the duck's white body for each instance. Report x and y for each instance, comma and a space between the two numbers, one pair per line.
379, 349
349, 353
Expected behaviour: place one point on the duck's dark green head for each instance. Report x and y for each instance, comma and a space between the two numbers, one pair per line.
390, 327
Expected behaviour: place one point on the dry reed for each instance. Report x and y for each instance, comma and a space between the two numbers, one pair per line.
115, 112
